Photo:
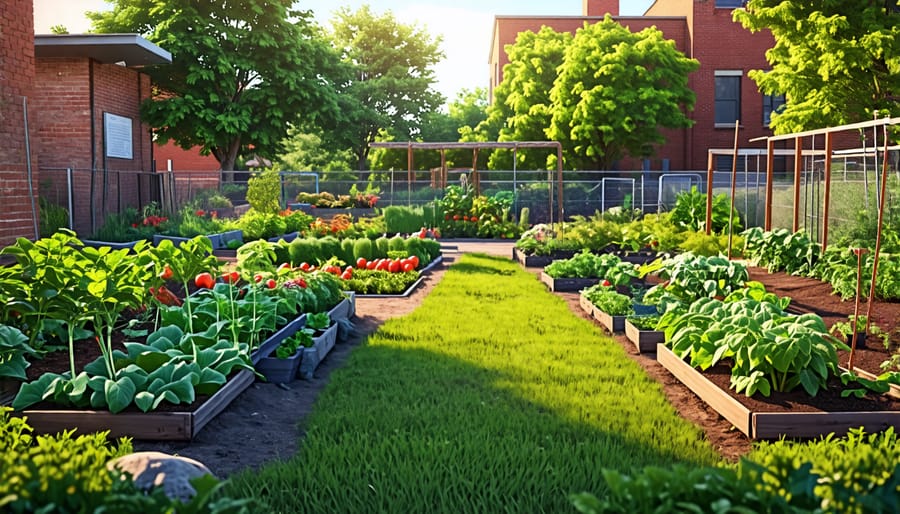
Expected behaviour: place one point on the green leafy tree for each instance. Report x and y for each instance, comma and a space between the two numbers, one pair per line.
836, 61
466, 112
304, 151
522, 108
616, 89
240, 72
392, 87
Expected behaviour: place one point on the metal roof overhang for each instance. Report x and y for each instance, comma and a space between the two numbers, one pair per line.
132, 49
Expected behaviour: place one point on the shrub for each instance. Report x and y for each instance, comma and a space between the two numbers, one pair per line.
264, 191
52, 217
382, 246
403, 219
363, 248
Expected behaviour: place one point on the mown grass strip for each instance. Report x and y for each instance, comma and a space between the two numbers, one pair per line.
490, 397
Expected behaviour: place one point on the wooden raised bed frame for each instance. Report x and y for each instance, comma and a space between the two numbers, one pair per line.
772, 425
644, 340
566, 284
155, 426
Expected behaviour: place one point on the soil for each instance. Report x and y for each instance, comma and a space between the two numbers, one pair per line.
265, 422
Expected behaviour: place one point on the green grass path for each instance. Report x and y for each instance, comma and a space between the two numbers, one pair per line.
490, 397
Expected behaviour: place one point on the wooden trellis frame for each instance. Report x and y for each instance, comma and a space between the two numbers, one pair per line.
475, 147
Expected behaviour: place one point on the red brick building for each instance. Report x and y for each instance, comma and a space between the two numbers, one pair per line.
703, 30
87, 97
18, 209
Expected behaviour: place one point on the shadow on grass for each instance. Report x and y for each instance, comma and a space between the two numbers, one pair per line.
412, 430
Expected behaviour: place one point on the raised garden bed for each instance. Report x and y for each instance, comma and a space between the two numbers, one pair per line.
789, 415
613, 324
314, 355
567, 284
219, 241
644, 340
539, 261
111, 244
161, 425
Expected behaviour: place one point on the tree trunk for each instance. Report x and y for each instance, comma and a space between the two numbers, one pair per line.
227, 157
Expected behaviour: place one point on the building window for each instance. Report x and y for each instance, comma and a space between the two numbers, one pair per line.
728, 97
771, 103
730, 3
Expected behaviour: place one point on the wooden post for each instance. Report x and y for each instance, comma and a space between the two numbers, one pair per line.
770, 177
734, 158
829, 147
878, 229
798, 166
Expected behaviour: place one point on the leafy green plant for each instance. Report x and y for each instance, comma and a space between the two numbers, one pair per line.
288, 348
67, 474
52, 217
782, 250
609, 301
644, 322
690, 212
769, 349
588, 265
14, 351
264, 191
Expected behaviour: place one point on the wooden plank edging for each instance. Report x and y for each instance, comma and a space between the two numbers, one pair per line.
729, 408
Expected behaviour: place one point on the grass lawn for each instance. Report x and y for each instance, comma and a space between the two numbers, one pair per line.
490, 397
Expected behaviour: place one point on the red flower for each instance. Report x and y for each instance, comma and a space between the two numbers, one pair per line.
200, 212
606, 283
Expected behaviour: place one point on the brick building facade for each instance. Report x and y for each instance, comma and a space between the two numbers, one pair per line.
703, 30
17, 78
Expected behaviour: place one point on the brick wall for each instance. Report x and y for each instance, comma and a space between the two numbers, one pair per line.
183, 159
16, 83
71, 133
600, 7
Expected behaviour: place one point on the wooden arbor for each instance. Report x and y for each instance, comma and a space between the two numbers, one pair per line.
475, 147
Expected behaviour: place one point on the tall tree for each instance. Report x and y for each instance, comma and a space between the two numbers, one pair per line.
463, 114
615, 90
522, 108
394, 75
240, 72
836, 61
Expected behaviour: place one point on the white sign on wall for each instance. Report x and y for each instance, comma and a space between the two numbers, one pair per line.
117, 131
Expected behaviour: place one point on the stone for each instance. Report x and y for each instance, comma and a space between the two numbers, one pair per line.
173, 473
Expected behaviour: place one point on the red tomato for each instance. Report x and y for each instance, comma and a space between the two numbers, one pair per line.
347, 275
456, 217
205, 280
166, 273
301, 283
371, 264
361, 263
473, 219
394, 266
414, 260
257, 278
231, 278
271, 283
408, 266
304, 266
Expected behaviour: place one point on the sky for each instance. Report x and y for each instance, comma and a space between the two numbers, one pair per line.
464, 25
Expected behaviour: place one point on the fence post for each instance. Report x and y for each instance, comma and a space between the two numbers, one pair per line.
70, 198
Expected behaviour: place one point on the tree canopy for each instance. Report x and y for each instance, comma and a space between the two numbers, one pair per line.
522, 108
240, 72
615, 90
836, 61
392, 86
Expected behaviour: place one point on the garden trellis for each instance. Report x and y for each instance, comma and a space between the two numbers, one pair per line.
475, 147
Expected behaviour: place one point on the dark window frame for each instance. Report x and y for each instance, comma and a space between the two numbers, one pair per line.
726, 105
772, 103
